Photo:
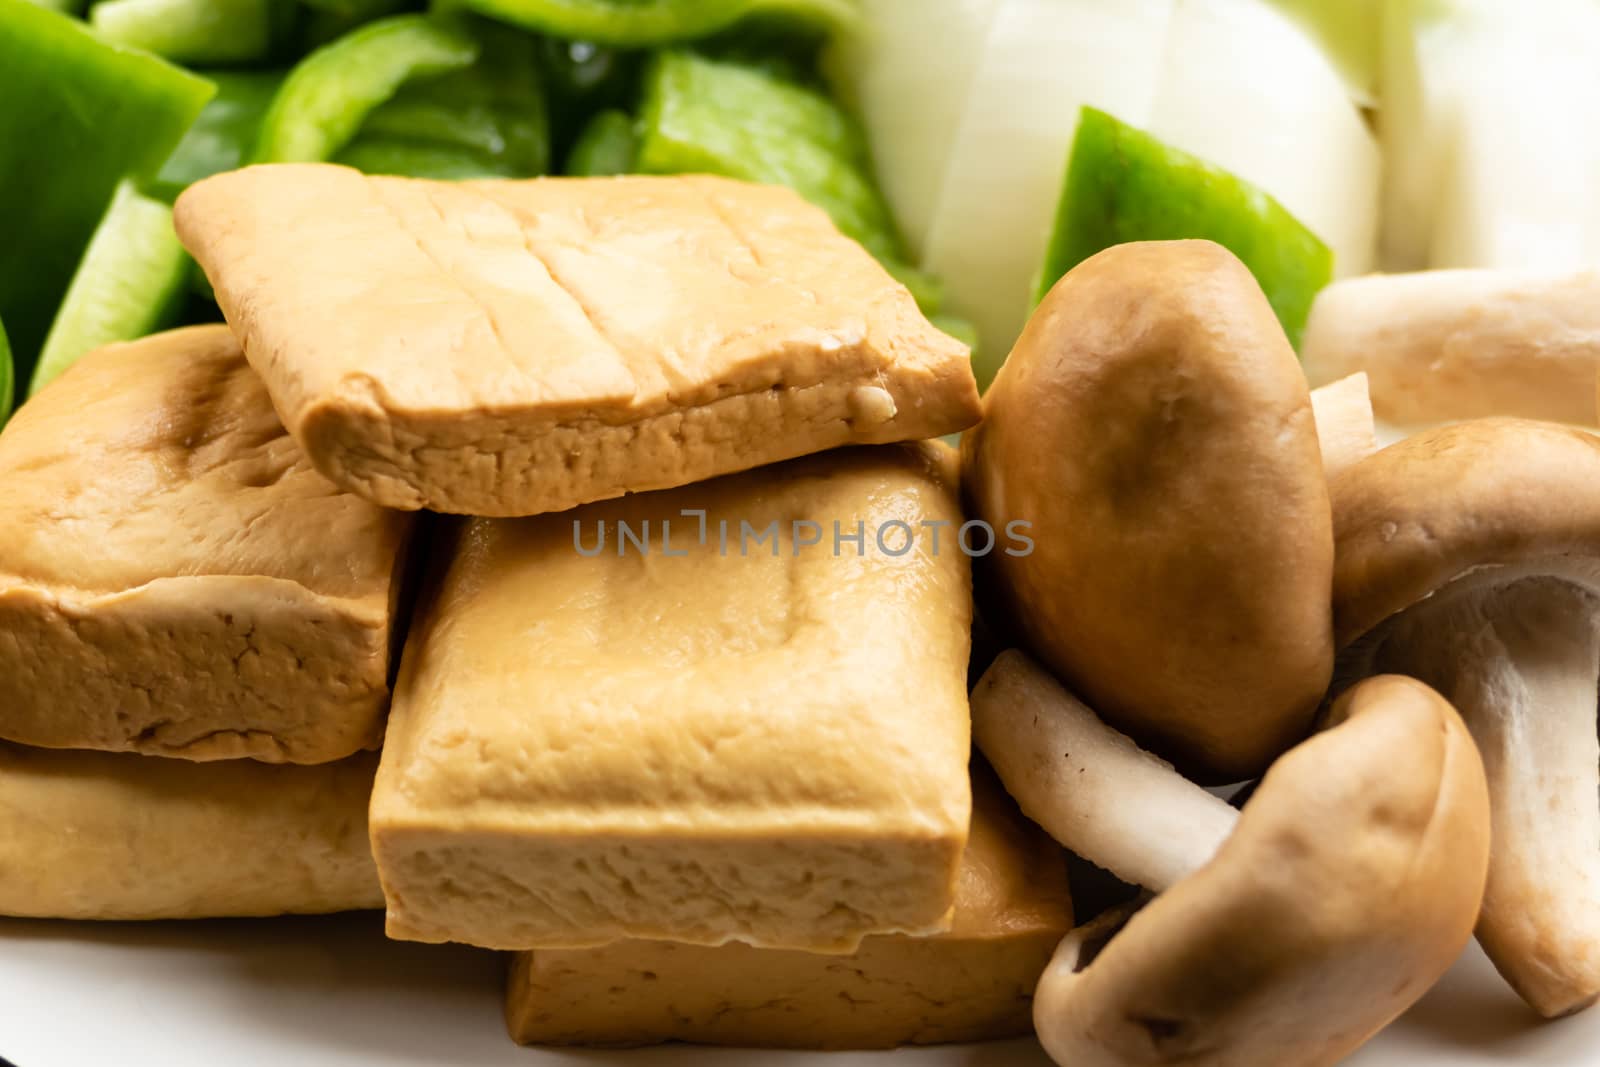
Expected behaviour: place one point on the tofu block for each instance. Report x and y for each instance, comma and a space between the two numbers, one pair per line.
175, 579
98, 835
510, 348
972, 983
767, 745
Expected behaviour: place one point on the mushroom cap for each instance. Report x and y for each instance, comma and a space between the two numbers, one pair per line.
1414, 517
1153, 425
1350, 885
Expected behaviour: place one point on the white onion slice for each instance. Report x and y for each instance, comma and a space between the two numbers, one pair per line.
1349, 31
1246, 88
1043, 60
908, 72
1522, 185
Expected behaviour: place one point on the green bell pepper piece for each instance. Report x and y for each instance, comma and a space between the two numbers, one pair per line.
357, 9
491, 117
328, 96
637, 23
326, 21
412, 159
66, 7
127, 286
1124, 185
582, 79
608, 145
86, 113
585, 72
195, 31
710, 117
7, 376
225, 134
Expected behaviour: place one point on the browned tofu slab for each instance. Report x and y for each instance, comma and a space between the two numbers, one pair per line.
511, 348
175, 579
98, 835
766, 743
971, 983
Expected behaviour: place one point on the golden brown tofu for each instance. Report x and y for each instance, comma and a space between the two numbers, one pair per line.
969, 984
511, 348
765, 742
97, 835
175, 579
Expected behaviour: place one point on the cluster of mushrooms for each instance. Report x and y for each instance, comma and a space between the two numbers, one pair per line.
1402, 645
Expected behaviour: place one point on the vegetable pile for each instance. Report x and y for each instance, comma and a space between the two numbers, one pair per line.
116, 128
1317, 140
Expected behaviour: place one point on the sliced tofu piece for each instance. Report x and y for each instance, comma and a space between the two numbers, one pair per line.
765, 741
175, 579
972, 983
95, 835
514, 348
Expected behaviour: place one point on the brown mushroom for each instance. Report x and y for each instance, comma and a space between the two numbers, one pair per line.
1469, 557
1348, 884
1154, 427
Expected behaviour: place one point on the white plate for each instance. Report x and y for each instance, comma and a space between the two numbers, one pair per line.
333, 993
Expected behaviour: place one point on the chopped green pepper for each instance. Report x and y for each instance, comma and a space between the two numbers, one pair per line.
1124, 185
357, 9
487, 120
7, 376
411, 159
608, 145
87, 113
582, 79
127, 286
225, 134
711, 117
636, 23
195, 31
326, 22
328, 96
585, 72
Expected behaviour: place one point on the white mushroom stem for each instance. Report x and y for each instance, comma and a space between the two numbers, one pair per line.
1519, 657
1090, 787
1345, 427
1458, 344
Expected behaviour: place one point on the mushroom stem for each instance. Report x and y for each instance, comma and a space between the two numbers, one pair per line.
1520, 659
1346, 430
1457, 344
1090, 787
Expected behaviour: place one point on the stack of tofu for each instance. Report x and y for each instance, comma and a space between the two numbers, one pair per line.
548, 492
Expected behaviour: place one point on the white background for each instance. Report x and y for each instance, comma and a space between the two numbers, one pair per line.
332, 992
